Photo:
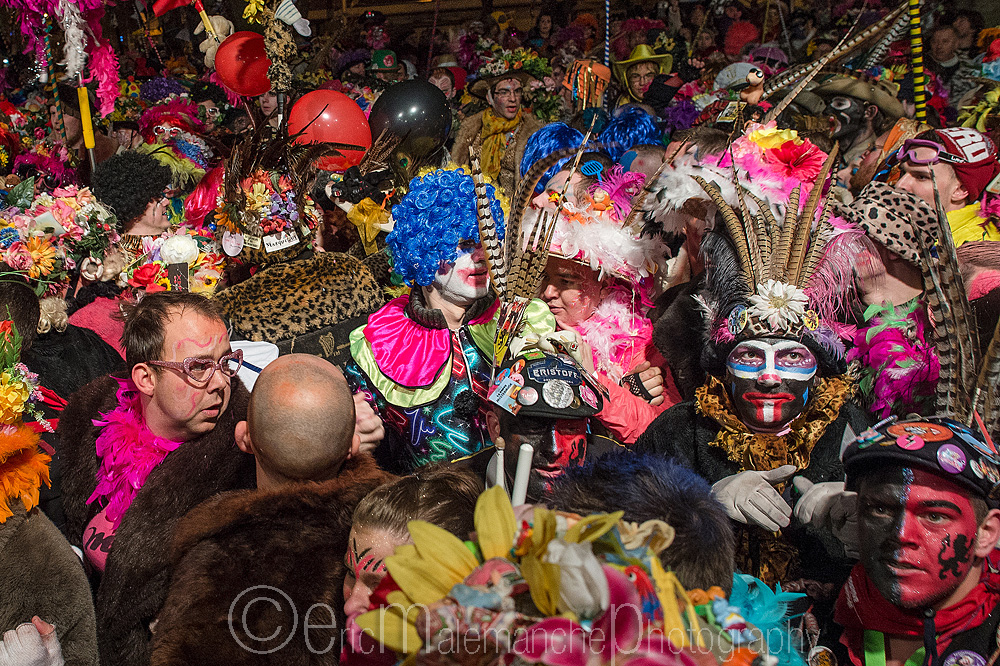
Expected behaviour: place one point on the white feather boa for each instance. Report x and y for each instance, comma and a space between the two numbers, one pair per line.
600, 241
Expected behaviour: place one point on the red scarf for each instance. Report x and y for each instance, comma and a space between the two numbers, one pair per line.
861, 606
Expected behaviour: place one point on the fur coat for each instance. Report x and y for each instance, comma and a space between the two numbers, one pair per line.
510, 164
41, 575
134, 584
287, 545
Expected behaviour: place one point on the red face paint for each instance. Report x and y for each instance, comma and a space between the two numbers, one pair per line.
918, 533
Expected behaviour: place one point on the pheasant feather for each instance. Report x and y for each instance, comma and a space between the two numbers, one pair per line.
804, 224
494, 249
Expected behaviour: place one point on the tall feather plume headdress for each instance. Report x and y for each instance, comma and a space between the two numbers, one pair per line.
516, 263
779, 275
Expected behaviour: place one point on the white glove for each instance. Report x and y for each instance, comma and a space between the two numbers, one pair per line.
32, 644
828, 505
302, 27
223, 28
367, 425
749, 498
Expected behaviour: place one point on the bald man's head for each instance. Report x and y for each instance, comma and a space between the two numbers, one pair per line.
300, 421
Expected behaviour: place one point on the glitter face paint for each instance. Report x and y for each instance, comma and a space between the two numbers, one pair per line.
918, 534
769, 381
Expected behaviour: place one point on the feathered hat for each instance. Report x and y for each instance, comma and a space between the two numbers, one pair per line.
264, 214
778, 271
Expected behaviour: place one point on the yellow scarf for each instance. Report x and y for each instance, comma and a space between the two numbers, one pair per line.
494, 139
967, 225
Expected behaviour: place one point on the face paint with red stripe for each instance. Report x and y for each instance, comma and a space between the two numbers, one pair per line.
918, 534
769, 380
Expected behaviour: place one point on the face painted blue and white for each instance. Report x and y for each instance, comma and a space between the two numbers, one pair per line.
769, 381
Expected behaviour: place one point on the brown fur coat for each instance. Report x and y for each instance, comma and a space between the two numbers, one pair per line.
134, 584
41, 575
286, 545
510, 165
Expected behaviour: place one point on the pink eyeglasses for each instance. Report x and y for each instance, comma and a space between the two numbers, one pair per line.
201, 369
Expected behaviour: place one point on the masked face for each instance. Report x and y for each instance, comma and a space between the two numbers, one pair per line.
847, 117
558, 445
918, 536
465, 281
769, 381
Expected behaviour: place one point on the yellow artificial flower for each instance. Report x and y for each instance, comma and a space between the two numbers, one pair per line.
771, 137
253, 9
43, 256
258, 197
14, 393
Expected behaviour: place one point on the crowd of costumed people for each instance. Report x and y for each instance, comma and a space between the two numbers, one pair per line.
522, 334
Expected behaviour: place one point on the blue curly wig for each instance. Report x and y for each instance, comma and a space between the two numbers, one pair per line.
544, 142
631, 127
437, 214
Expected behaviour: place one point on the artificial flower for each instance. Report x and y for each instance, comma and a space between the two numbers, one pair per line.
18, 257
800, 160
147, 277
583, 588
14, 395
179, 249
769, 136
43, 256
780, 304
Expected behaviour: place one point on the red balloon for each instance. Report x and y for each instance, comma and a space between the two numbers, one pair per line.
242, 64
331, 116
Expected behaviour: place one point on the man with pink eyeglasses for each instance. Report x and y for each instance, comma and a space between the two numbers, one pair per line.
142, 450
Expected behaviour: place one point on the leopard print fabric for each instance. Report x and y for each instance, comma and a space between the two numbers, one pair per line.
898, 220
288, 301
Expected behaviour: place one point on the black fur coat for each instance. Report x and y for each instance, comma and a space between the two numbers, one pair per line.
134, 584
286, 545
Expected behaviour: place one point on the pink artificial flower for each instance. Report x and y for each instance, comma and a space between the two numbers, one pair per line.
801, 161
18, 257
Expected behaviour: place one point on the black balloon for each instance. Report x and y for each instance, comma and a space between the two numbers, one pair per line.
417, 112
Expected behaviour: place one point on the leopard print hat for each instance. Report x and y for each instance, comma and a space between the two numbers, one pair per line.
898, 220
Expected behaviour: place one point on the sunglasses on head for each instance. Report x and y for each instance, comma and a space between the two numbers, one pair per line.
908, 153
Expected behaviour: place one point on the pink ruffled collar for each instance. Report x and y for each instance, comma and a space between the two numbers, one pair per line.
407, 352
128, 451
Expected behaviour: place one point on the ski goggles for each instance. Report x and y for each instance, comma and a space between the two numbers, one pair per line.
908, 153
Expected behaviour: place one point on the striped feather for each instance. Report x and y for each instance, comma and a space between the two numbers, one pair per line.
987, 393
735, 228
786, 78
495, 259
803, 226
779, 258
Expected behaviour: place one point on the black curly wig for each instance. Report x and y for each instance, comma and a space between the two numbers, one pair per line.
127, 182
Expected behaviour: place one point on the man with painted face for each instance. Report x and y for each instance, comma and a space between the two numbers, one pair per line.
423, 361
859, 111
928, 583
502, 130
774, 405
545, 400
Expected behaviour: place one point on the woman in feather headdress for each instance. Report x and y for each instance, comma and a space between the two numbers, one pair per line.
597, 282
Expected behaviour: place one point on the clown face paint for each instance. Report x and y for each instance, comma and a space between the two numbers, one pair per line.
465, 281
769, 381
558, 445
847, 118
918, 535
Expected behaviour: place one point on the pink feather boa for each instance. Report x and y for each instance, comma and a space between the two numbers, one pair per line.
128, 453
900, 368
617, 333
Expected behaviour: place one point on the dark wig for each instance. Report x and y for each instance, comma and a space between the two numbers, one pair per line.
127, 182
648, 487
